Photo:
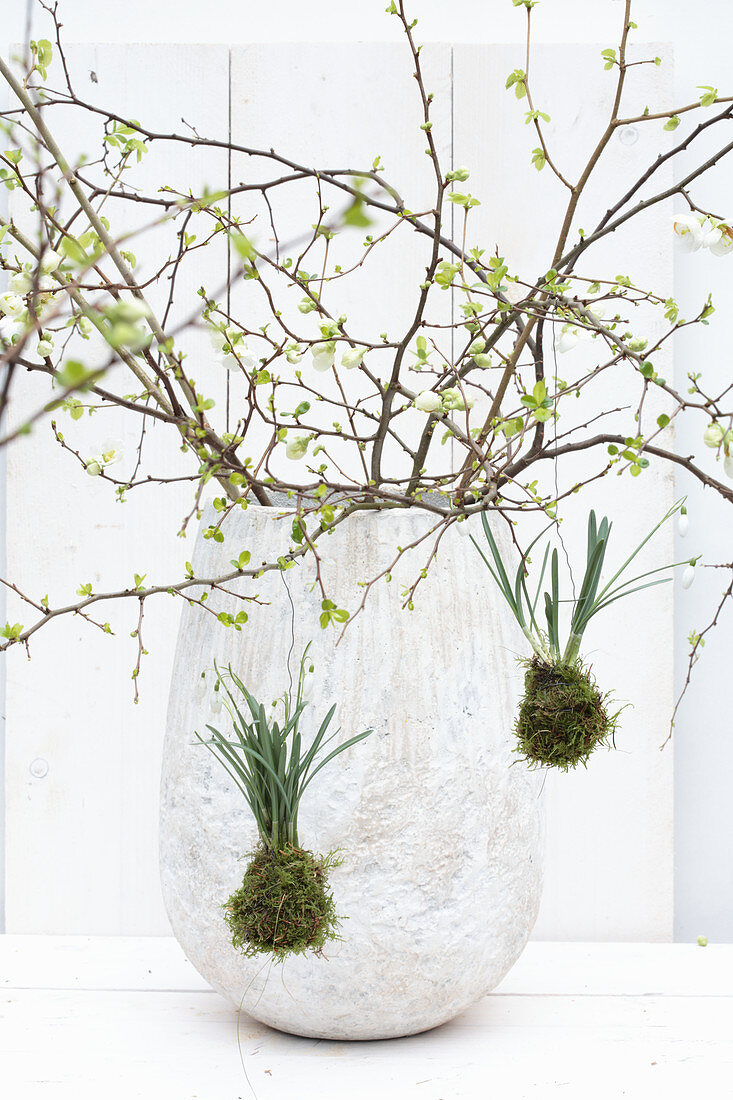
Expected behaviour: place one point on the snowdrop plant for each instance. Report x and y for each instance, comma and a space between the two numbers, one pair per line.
284, 905
292, 401
563, 717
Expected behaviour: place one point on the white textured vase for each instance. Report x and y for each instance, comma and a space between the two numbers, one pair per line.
440, 828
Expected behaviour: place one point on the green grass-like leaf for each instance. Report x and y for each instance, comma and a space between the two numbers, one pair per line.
266, 759
547, 646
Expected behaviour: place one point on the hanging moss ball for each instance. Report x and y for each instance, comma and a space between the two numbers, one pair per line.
284, 905
562, 717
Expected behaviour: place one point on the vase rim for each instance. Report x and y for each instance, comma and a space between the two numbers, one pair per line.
283, 512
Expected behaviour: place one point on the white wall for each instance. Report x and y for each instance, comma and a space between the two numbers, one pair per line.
704, 900
334, 21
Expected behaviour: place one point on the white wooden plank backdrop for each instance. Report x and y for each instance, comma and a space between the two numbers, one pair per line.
81, 842
610, 830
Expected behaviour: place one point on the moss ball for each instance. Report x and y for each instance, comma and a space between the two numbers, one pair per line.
562, 716
284, 905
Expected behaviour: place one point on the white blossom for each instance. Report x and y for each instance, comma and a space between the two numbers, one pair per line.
12, 305
713, 435
247, 357
232, 353
111, 452
728, 465
323, 354
218, 338
637, 344
215, 703
45, 347
352, 358
513, 292
724, 244
683, 524
465, 527
129, 310
10, 329
688, 576
568, 339
711, 238
48, 308
50, 262
297, 447
428, 402
20, 283
694, 231
241, 356
688, 231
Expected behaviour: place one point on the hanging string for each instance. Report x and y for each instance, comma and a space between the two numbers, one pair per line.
292, 633
555, 472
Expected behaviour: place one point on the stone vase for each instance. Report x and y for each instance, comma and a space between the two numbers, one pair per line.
439, 827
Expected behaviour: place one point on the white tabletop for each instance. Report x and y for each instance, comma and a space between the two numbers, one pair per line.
101, 1018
